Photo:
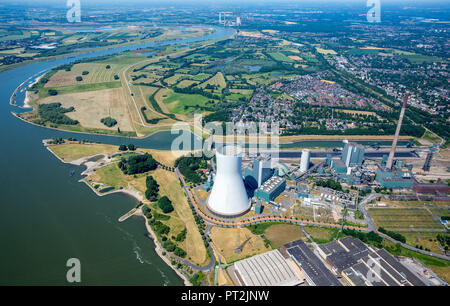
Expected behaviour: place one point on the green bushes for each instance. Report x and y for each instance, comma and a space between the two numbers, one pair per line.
54, 113
52, 92
169, 246
181, 236
197, 278
152, 189
108, 121
165, 204
159, 227
123, 148
85, 73
147, 211
330, 184
189, 165
79, 79
138, 164
180, 252
393, 234
371, 237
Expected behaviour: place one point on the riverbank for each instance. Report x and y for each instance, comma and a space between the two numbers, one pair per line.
91, 166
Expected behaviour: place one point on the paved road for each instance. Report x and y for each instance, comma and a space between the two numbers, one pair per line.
362, 208
211, 253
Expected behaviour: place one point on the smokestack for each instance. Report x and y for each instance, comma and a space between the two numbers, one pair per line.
397, 133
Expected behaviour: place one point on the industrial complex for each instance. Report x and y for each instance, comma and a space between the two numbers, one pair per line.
330, 189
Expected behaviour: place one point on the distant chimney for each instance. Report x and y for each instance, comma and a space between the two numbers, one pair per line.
397, 133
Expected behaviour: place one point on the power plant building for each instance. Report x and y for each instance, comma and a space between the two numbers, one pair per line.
228, 196
305, 160
352, 154
271, 189
398, 177
258, 172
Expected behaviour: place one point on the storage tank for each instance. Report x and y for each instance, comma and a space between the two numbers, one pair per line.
228, 196
304, 163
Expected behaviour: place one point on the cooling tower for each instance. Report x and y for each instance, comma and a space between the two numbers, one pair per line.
304, 162
228, 196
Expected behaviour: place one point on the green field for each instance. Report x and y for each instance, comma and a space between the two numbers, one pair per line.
179, 103
278, 56
404, 218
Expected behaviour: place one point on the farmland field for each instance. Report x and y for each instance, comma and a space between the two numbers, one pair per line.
92, 106
404, 218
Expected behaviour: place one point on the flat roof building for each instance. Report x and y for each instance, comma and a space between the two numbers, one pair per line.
314, 270
268, 269
363, 265
271, 189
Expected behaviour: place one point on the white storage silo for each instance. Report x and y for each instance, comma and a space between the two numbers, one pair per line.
304, 163
228, 196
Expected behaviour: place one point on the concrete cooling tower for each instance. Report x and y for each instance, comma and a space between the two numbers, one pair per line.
228, 196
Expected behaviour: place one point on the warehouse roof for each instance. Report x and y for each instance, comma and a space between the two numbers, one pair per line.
271, 184
311, 265
268, 269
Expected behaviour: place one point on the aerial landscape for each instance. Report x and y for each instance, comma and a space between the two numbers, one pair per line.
225, 143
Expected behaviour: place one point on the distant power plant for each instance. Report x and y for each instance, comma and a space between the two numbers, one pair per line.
228, 196
304, 162
229, 22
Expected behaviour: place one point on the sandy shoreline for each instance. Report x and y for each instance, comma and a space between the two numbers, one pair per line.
158, 248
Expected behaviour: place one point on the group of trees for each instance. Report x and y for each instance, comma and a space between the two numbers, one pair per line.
52, 92
330, 184
138, 164
130, 147
393, 234
165, 204
152, 189
54, 113
108, 121
172, 247
370, 237
189, 166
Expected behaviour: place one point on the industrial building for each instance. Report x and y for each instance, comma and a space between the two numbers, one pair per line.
228, 196
258, 172
271, 189
314, 270
439, 187
339, 166
395, 175
352, 154
398, 176
268, 269
302, 190
363, 265
305, 160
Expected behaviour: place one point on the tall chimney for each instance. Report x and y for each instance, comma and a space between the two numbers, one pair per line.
397, 133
